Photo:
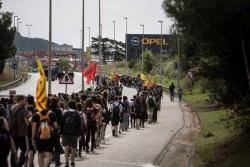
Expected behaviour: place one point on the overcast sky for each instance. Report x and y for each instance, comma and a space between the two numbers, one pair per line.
67, 18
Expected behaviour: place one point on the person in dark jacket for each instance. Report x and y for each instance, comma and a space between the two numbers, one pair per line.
70, 130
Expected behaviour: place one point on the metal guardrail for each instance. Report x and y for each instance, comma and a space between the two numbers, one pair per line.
22, 78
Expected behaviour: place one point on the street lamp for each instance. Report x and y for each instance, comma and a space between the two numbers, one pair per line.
50, 43
114, 47
161, 48
100, 37
142, 45
28, 27
82, 57
126, 20
15, 21
89, 28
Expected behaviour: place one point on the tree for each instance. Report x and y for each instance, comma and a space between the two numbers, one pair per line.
7, 35
63, 64
212, 31
110, 48
147, 61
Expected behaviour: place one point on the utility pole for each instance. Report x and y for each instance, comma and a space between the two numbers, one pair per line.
126, 19
50, 42
142, 25
82, 57
17, 22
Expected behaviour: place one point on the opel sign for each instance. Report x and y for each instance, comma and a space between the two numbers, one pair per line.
152, 42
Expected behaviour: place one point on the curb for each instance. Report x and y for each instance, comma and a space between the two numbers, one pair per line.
160, 157
20, 80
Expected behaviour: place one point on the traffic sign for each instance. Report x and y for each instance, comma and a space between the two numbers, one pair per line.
66, 79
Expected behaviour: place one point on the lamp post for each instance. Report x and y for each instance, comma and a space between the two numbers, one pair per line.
100, 37
114, 47
161, 48
15, 21
50, 42
82, 57
89, 28
28, 27
142, 45
126, 52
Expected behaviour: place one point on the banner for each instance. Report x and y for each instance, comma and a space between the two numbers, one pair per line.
89, 73
41, 98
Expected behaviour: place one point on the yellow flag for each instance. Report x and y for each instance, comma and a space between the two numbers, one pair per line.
149, 82
41, 98
143, 77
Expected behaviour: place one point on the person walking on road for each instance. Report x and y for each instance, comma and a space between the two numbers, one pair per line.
116, 109
171, 91
91, 113
19, 129
43, 126
180, 94
151, 102
71, 124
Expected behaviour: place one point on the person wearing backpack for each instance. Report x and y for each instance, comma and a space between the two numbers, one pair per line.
53, 106
43, 126
71, 123
138, 112
125, 105
91, 113
19, 129
151, 102
116, 109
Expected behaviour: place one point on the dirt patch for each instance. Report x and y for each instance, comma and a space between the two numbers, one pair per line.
181, 149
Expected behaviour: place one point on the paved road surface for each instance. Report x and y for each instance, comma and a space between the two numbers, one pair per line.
136, 148
29, 87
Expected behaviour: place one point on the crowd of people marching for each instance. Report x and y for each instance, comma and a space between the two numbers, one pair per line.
74, 123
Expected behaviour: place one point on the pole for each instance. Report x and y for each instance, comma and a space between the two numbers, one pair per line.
15, 21
66, 88
114, 44
50, 40
161, 48
142, 46
28, 27
82, 57
89, 38
126, 19
17, 24
100, 37
178, 43
245, 58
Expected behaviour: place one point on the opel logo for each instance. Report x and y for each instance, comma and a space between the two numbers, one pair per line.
135, 41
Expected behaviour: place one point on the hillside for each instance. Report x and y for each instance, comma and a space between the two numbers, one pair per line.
31, 44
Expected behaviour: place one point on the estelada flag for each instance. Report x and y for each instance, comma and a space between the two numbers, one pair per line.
143, 77
149, 83
41, 98
89, 73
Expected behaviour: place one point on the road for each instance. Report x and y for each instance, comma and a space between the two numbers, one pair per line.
135, 148
29, 87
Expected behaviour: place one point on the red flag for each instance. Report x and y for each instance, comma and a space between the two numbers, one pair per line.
89, 73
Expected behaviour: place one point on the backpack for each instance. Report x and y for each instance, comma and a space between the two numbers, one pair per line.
151, 102
125, 106
44, 129
90, 115
71, 124
116, 111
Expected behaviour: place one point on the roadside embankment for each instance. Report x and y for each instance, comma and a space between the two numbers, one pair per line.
22, 78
